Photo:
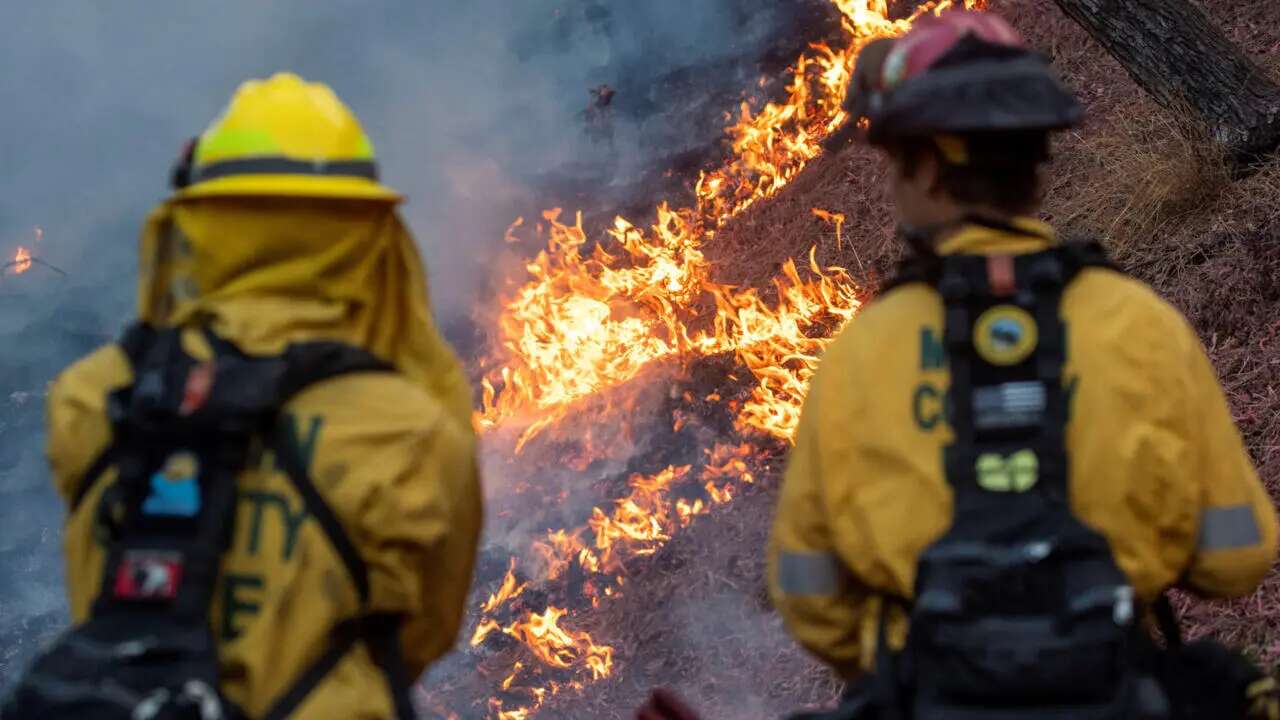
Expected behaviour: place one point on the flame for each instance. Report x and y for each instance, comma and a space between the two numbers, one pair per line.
590, 317
515, 670
834, 218
482, 631
21, 261
508, 591
562, 550
510, 235
558, 647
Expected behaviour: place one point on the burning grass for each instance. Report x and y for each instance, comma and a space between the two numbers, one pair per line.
728, 303
593, 317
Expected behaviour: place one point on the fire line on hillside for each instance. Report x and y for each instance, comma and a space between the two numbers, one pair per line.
587, 325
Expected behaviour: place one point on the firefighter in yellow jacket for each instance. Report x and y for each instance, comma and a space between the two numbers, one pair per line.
279, 233
1156, 465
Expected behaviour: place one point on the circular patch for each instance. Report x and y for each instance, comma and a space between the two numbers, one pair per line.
1005, 335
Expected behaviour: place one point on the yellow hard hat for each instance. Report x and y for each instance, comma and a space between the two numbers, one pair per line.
283, 136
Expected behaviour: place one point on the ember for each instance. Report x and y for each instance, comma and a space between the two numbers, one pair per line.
21, 261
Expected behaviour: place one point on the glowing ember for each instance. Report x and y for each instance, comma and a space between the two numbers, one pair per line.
593, 316
510, 234
21, 261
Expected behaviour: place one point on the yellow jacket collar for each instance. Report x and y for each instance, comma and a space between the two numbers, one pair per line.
1024, 235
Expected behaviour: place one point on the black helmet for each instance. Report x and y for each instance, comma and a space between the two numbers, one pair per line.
960, 73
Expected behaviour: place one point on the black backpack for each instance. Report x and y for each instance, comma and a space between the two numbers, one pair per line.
182, 434
1019, 609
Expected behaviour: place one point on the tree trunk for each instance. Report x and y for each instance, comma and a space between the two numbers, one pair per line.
1175, 52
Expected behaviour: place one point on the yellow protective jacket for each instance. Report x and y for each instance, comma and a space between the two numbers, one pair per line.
393, 455
1156, 464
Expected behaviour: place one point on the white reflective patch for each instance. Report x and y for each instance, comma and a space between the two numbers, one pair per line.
810, 573
1229, 528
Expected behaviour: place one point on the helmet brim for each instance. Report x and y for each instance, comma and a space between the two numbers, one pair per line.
335, 187
990, 96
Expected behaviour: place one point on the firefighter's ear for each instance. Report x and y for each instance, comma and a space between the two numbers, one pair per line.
928, 173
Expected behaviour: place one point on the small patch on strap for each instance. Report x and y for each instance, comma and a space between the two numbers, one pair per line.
1005, 335
196, 391
174, 489
1015, 473
1009, 405
1001, 276
148, 575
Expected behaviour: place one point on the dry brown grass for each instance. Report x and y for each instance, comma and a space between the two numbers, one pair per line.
1152, 171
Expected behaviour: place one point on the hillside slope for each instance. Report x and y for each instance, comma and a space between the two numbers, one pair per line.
1134, 176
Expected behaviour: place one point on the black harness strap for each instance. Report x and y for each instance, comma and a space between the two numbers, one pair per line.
382, 635
289, 456
343, 639
133, 343
961, 279
105, 460
1048, 276
308, 364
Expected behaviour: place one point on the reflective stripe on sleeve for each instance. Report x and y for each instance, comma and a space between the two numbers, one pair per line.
1229, 528
810, 573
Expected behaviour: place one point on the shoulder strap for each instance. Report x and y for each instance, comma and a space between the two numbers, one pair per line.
915, 268
306, 365
1167, 620
1089, 254
342, 639
310, 363
133, 342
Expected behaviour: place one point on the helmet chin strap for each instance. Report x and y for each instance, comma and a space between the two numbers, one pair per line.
180, 176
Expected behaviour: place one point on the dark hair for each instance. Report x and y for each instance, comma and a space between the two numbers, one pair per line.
1001, 169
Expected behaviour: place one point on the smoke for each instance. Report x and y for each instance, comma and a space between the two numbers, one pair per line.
478, 110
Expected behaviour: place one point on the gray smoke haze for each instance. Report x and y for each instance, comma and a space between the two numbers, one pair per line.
476, 108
